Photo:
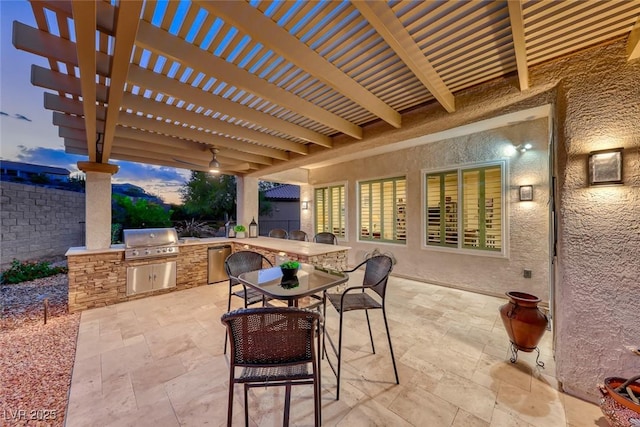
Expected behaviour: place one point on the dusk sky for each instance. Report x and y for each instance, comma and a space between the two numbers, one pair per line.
26, 130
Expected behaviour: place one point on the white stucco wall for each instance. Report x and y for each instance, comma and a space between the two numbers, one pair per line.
598, 292
528, 232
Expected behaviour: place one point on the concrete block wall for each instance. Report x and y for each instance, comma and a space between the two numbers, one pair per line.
38, 223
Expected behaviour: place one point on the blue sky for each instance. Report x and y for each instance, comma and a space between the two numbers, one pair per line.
26, 130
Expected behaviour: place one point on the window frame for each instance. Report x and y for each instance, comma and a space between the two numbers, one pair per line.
504, 206
328, 188
391, 178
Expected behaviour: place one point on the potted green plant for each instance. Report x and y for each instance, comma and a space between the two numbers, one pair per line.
240, 231
289, 270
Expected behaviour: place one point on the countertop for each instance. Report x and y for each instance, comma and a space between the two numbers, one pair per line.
279, 245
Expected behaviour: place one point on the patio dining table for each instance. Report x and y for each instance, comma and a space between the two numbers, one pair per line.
310, 281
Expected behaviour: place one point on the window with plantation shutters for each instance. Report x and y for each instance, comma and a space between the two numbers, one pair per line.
464, 207
383, 210
329, 210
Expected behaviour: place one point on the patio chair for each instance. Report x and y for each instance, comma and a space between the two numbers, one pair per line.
274, 347
369, 296
298, 235
279, 233
326, 237
236, 264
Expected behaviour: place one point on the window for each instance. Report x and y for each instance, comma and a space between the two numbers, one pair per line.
464, 208
329, 210
383, 210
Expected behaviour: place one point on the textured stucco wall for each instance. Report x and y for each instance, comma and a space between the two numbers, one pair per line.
528, 232
598, 291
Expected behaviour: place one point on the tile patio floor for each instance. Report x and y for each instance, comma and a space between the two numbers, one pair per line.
158, 362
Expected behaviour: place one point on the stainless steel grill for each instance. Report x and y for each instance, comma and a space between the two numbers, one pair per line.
150, 243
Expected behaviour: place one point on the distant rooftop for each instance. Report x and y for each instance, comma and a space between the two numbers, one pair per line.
6, 165
283, 192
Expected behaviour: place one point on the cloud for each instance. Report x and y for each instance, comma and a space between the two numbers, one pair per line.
141, 172
163, 181
16, 116
21, 117
49, 157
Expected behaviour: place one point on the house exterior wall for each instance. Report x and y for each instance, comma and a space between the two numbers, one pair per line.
598, 291
596, 104
528, 233
39, 223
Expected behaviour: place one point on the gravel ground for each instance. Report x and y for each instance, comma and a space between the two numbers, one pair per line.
36, 359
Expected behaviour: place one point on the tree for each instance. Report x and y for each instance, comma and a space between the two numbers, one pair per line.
207, 196
139, 214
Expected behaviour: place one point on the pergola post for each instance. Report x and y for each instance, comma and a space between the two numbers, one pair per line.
97, 203
247, 200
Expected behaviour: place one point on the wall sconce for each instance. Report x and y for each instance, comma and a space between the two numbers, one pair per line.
305, 205
605, 167
526, 193
524, 147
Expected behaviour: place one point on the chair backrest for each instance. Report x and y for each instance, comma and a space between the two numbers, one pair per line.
278, 233
326, 237
376, 273
243, 261
267, 336
298, 235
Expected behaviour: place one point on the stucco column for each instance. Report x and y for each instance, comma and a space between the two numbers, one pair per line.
247, 200
306, 215
97, 203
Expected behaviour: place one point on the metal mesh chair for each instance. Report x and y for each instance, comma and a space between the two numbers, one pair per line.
279, 233
274, 347
369, 296
298, 235
236, 264
326, 237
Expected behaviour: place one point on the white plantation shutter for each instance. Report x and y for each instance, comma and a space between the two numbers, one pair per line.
330, 210
442, 209
478, 223
383, 210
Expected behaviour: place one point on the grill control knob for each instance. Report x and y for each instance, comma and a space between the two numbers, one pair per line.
147, 252
134, 253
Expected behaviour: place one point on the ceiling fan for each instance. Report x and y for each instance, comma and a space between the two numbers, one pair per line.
214, 164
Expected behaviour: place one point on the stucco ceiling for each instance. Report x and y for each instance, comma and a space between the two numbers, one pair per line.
266, 82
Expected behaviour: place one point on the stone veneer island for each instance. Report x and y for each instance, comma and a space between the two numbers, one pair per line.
98, 278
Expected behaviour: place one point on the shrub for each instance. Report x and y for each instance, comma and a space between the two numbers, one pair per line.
29, 270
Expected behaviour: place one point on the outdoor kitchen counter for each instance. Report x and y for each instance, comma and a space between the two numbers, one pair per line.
292, 247
98, 277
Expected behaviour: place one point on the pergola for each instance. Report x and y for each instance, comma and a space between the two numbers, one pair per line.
265, 87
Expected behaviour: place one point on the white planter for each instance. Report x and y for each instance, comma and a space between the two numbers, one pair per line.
241, 234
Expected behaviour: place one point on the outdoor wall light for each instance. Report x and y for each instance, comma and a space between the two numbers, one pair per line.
525, 193
305, 205
524, 147
605, 167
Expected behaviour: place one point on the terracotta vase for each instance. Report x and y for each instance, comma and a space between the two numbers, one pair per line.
523, 320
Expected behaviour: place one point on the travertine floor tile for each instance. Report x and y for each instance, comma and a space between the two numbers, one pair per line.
158, 361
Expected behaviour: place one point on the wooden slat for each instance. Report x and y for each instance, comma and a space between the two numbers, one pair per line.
253, 22
162, 42
391, 29
158, 139
139, 103
633, 45
126, 29
174, 88
84, 19
207, 138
